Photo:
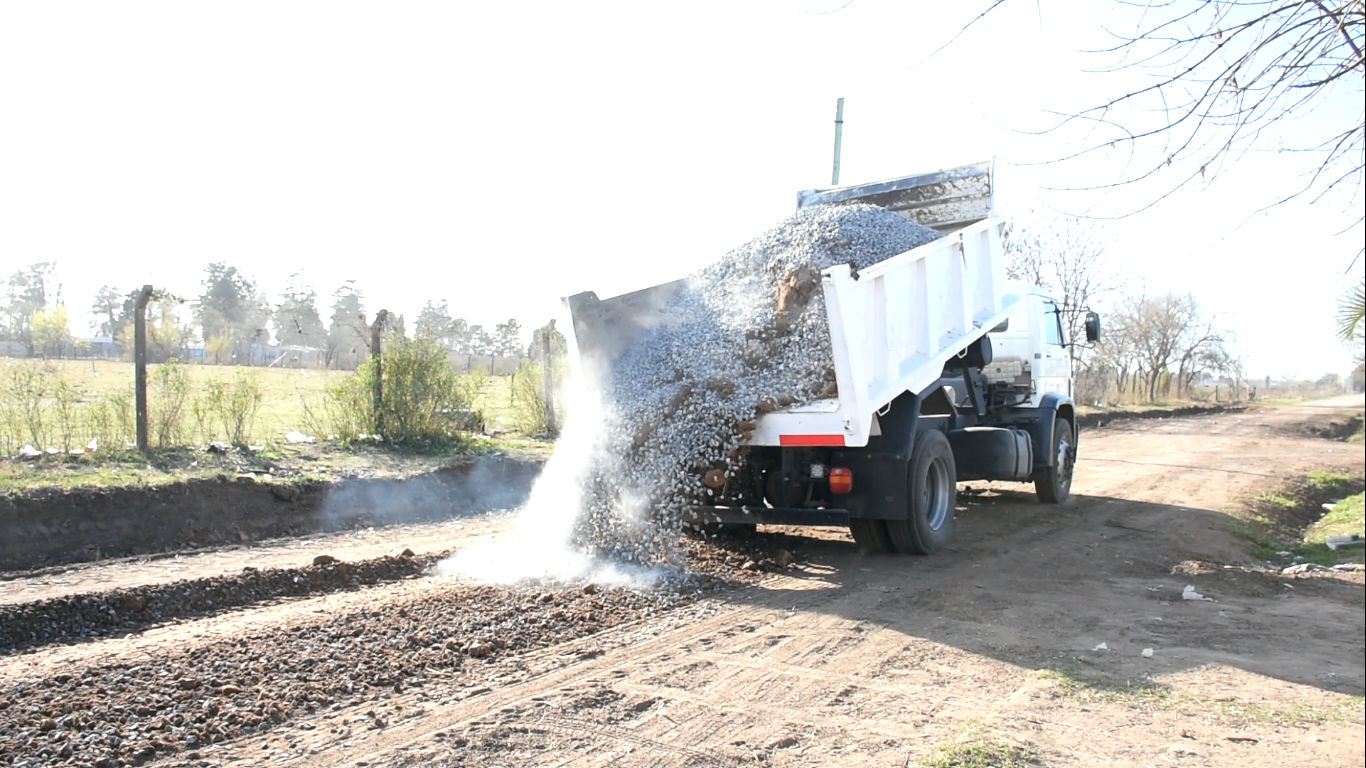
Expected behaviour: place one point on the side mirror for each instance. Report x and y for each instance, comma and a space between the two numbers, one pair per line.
1092, 327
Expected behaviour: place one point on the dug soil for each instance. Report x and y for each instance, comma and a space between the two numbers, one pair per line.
1058, 635
47, 527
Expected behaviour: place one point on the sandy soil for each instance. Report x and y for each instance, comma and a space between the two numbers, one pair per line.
862, 661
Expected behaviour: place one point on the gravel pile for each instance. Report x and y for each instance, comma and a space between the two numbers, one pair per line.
747, 334
76, 617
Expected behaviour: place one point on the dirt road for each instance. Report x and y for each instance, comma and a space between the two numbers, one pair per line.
841, 659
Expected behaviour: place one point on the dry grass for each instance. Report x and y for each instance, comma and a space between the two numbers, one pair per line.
288, 395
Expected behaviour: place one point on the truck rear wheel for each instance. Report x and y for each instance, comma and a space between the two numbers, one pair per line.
932, 488
1053, 485
870, 535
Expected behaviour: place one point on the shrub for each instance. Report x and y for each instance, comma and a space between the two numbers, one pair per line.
529, 401
168, 387
422, 396
235, 404
65, 402
123, 417
26, 389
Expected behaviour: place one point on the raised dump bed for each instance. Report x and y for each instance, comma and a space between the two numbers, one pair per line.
944, 370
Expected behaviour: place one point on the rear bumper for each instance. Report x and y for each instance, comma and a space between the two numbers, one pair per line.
768, 516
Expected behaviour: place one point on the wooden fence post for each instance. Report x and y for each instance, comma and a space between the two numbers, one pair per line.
550, 427
376, 340
140, 364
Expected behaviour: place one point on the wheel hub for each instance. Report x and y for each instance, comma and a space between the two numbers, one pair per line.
937, 491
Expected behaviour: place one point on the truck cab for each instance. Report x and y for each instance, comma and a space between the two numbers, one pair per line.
1031, 351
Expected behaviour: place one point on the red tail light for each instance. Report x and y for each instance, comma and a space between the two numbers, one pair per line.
841, 480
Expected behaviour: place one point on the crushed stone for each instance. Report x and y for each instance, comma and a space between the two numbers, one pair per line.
745, 335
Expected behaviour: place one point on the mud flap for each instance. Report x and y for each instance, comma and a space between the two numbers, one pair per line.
879, 470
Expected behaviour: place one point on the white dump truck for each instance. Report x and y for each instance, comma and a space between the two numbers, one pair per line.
945, 371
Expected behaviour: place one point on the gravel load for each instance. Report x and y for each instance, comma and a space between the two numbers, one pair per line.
745, 336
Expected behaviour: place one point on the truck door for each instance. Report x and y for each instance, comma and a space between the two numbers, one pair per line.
1055, 374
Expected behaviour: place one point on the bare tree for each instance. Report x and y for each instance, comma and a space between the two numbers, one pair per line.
1121, 348
1198, 345
1229, 365
1065, 256
1155, 342
1221, 80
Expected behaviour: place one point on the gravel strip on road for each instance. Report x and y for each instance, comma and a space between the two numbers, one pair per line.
79, 617
126, 714
119, 713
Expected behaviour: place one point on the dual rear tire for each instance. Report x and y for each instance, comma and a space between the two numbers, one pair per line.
932, 493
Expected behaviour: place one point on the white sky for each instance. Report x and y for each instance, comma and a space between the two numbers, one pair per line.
501, 155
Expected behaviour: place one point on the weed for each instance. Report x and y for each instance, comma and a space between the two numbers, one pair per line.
1289, 526
201, 410
168, 388
315, 419
122, 410
1320, 479
978, 752
65, 399
235, 403
1263, 546
1347, 710
1073, 684
99, 422
529, 400
420, 392
475, 384
1347, 517
27, 389
1278, 500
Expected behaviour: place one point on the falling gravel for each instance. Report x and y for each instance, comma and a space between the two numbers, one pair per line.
746, 335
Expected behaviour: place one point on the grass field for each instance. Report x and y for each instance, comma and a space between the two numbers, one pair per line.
287, 396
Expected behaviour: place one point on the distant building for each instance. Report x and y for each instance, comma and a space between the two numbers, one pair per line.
100, 346
294, 356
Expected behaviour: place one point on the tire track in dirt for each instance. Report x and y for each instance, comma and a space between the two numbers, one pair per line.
850, 660
890, 656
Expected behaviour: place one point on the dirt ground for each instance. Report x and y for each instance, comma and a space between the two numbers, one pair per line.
841, 659
53, 527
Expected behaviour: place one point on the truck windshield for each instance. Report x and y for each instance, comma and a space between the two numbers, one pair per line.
1052, 323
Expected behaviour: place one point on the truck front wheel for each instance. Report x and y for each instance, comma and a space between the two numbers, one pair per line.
1053, 485
932, 485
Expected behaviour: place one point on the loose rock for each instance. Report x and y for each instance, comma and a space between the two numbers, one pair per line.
743, 337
